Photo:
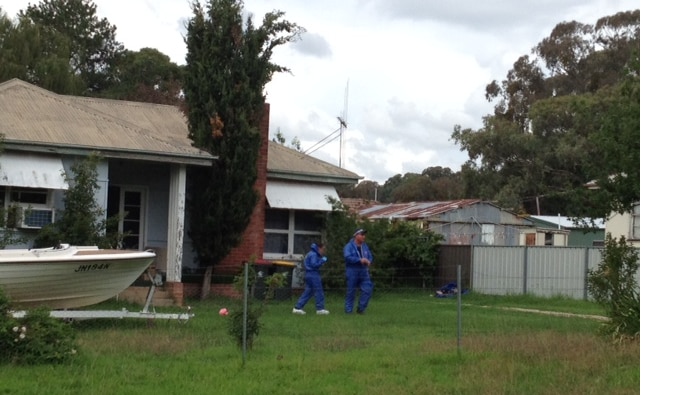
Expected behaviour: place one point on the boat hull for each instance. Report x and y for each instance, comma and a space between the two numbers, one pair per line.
69, 277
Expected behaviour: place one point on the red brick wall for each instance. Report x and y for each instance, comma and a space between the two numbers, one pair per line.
176, 292
193, 291
253, 239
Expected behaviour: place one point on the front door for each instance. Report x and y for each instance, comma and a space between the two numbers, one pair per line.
129, 203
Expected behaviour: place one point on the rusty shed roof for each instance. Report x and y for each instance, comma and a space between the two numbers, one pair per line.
414, 210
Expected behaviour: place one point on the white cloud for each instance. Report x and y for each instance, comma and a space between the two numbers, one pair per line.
414, 68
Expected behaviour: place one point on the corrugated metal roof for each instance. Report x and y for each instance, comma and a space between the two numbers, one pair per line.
34, 116
288, 163
414, 210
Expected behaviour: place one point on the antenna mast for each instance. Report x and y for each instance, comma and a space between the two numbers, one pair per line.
342, 126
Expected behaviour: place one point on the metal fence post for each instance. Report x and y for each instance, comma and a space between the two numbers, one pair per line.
244, 313
459, 308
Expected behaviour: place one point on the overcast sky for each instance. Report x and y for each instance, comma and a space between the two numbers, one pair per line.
401, 72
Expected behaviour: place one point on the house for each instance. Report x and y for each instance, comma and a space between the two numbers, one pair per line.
562, 231
626, 224
465, 222
146, 153
298, 191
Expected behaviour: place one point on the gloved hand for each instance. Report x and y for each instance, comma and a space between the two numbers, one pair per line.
324, 259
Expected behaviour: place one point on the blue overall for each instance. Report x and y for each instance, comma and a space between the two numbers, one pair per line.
313, 281
357, 276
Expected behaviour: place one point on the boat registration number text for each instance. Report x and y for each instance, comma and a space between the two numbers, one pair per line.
94, 266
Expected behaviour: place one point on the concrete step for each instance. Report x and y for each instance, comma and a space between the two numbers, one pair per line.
138, 295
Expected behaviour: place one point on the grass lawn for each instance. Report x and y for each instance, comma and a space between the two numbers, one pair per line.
406, 343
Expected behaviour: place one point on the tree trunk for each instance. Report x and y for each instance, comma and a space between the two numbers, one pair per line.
206, 286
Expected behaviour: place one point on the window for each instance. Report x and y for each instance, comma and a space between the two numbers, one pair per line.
29, 208
29, 196
290, 232
276, 243
549, 238
308, 220
634, 232
488, 234
302, 242
277, 219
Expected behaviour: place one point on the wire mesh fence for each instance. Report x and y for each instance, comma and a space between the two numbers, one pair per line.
492, 270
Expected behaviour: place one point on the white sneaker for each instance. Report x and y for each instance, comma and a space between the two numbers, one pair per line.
322, 312
298, 311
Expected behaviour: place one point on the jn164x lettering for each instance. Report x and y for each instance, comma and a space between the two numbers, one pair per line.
94, 266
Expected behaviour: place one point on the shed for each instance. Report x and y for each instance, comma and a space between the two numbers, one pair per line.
463, 222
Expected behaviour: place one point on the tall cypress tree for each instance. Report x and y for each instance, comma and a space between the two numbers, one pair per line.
228, 65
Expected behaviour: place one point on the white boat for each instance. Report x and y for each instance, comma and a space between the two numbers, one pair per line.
68, 277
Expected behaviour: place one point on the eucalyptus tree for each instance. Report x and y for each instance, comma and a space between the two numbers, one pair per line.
148, 76
541, 140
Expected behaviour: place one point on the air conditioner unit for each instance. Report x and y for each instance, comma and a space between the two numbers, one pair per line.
37, 218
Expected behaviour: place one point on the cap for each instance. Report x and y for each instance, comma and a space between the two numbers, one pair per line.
360, 231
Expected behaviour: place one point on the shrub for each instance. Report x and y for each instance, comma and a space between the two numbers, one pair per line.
36, 338
255, 308
614, 285
6, 325
404, 254
10, 218
82, 222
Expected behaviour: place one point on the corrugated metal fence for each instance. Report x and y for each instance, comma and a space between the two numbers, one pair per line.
499, 270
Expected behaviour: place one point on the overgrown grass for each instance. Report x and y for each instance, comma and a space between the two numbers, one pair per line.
405, 344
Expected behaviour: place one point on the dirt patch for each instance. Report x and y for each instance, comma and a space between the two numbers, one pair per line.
554, 313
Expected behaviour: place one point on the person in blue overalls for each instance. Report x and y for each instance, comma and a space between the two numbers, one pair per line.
313, 281
358, 259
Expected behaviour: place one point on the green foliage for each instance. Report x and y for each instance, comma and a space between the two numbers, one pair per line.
433, 184
93, 49
82, 221
10, 217
339, 227
615, 286
413, 254
402, 251
255, 308
614, 139
148, 76
34, 339
228, 66
562, 120
6, 325
36, 55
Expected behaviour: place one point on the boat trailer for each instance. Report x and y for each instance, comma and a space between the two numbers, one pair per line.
148, 311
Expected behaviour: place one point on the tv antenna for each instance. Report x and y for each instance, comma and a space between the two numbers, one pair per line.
332, 136
342, 126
